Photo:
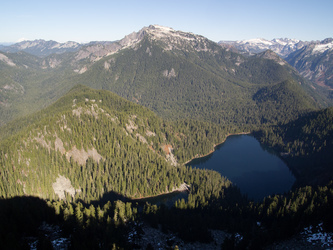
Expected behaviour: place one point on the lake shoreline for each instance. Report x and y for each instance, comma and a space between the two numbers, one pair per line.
182, 188
214, 146
256, 171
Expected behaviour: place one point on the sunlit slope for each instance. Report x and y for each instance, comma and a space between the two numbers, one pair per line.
91, 142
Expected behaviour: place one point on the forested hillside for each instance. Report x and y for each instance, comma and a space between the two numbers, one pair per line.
97, 142
306, 144
215, 85
89, 154
92, 146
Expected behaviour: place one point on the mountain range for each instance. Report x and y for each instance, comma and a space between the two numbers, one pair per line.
281, 46
92, 129
41, 47
196, 76
313, 60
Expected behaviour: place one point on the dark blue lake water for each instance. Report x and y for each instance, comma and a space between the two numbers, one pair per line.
255, 170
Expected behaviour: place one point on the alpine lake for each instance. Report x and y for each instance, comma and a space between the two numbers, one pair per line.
257, 171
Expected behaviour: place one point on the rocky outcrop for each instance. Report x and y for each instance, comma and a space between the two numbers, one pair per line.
63, 185
6, 60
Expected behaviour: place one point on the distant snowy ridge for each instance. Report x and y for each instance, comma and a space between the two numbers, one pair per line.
282, 46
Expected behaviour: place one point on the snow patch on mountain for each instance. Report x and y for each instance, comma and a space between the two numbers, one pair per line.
321, 48
256, 41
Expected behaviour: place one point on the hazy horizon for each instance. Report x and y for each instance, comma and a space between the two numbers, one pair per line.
85, 21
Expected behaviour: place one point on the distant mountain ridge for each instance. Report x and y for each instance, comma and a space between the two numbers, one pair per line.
281, 46
41, 47
315, 62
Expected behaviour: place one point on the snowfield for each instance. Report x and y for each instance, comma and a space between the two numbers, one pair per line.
320, 48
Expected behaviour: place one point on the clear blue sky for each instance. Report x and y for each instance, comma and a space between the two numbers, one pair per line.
83, 21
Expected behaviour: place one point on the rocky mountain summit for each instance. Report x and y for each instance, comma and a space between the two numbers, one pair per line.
96, 50
54, 55
167, 37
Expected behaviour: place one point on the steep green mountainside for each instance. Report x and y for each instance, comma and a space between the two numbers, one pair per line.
93, 142
26, 87
214, 85
307, 144
285, 96
173, 73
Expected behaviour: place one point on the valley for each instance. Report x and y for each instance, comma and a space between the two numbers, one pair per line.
88, 130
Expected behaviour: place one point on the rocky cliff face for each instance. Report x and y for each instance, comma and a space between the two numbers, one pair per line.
315, 62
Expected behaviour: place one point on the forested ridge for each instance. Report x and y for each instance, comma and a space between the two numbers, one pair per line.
306, 144
217, 85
